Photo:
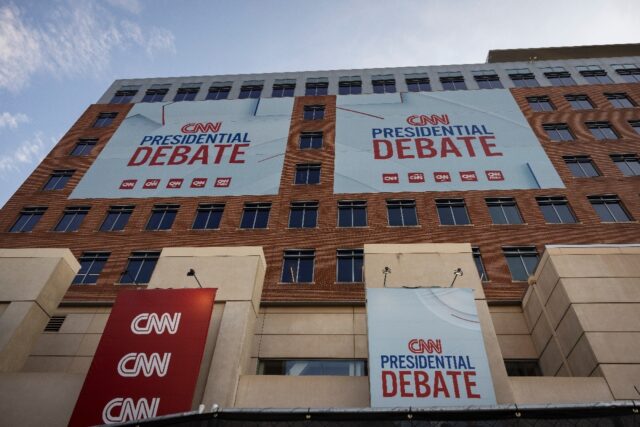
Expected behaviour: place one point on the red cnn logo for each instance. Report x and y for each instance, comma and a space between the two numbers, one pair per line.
222, 182
175, 183
198, 182
151, 184
415, 177
390, 178
201, 127
494, 175
419, 346
442, 176
423, 120
128, 184
468, 176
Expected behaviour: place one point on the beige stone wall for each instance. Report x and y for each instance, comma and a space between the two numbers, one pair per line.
512, 332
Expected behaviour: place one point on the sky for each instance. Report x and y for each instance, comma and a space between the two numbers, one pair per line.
59, 56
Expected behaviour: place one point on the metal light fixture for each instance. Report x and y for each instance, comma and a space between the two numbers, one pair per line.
192, 273
457, 272
385, 271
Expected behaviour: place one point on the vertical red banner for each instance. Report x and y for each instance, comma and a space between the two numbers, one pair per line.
148, 359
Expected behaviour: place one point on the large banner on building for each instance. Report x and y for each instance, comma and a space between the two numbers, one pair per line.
437, 141
207, 148
149, 356
426, 349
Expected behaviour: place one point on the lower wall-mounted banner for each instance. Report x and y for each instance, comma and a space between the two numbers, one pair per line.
149, 356
426, 349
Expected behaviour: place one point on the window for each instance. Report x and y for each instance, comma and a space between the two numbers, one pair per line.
504, 210
28, 219
251, 89
579, 102
601, 130
556, 210
83, 147
162, 217
487, 79
58, 179
558, 131
117, 218
350, 263
187, 92
301, 367
558, 76
522, 368
303, 215
384, 84
208, 216
609, 208
477, 258
452, 212
124, 95
540, 103
620, 100
629, 72
350, 85
72, 218
55, 323
402, 213
219, 90
594, 74
255, 215
581, 166
629, 164
522, 261
104, 120
316, 86
297, 266
283, 88
140, 267
313, 112
91, 264
452, 80
310, 140
418, 83
522, 77
156, 93
635, 124
307, 174
352, 213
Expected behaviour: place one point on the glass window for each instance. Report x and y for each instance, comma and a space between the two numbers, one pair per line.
418, 83
91, 264
629, 164
255, 215
522, 77
594, 74
313, 112
208, 216
316, 367
350, 85
522, 261
452, 212
104, 120
540, 103
58, 179
219, 91
297, 266
601, 130
162, 217
556, 210
310, 140
283, 88
558, 76
28, 219
629, 72
350, 264
477, 258
352, 213
635, 124
316, 86
83, 147
117, 218
124, 95
402, 213
140, 267
250, 90
504, 210
620, 100
383, 84
487, 79
307, 174
609, 208
303, 215
579, 102
72, 218
187, 92
452, 80
156, 93
522, 368
581, 166
558, 131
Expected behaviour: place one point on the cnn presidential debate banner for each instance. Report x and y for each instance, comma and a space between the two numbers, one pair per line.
426, 349
437, 141
223, 148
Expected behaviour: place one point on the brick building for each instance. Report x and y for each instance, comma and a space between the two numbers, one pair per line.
540, 170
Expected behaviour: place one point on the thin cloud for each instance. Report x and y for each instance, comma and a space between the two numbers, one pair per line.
12, 121
27, 154
131, 6
73, 40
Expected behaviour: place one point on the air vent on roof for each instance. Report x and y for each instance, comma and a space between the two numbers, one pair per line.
54, 323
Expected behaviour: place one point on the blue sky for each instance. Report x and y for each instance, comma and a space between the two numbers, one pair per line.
59, 56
